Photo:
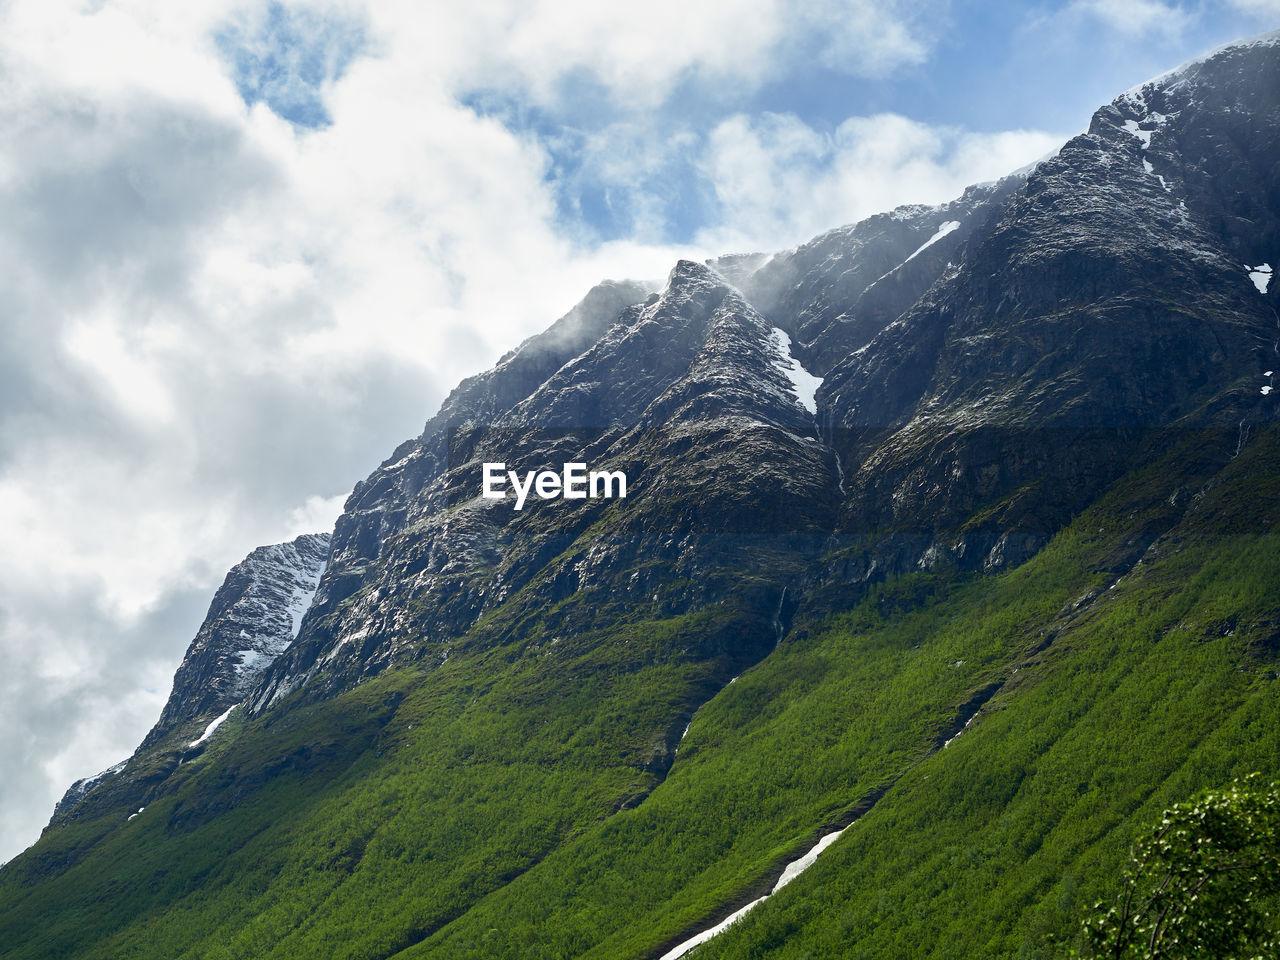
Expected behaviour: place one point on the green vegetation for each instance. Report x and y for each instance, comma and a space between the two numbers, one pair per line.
1194, 888
516, 800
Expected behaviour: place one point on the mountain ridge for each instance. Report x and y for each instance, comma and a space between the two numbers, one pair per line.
1035, 492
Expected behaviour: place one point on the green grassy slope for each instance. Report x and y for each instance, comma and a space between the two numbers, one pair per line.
1024, 820
499, 806
1107, 710
366, 820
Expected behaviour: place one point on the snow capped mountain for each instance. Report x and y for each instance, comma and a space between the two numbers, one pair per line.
1070, 367
855, 374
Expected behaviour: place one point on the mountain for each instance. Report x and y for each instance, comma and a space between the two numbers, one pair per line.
947, 552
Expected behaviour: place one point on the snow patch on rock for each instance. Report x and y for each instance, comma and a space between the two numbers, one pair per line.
1144, 136
267, 615
252, 662
797, 867
1151, 171
803, 384
209, 730
304, 592
705, 935
80, 786
966, 726
949, 227
789, 873
1271, 39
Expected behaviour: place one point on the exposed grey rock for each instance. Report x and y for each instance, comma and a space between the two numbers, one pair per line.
253, 618
990, 365
691, 371
255, 615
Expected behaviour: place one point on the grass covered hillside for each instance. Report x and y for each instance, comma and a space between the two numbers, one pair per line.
516, 802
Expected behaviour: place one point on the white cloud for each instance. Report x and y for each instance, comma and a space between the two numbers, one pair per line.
639, 52
215, 324
1135, 18
870, 39
317, 514
779, 180
1257, 8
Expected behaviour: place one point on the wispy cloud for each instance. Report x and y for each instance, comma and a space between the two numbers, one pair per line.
1261, 9
641, 52
777, 178
1133, 18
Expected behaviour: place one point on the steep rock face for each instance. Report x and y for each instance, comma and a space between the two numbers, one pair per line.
1208, 133
77, 792
836, 292
1103, 305
377, 506
694, 368
254, 617
989, 365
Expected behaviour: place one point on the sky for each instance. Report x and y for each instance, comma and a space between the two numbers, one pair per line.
246, 248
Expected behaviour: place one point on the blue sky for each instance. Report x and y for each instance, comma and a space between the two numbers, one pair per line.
249, 245
979, 66
285, 56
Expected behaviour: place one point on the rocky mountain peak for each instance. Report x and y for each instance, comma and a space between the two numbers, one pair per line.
254, 617
901, 371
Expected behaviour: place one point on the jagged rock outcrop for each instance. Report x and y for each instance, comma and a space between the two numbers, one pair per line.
833, 294
253, 618
1106, 302
682, 392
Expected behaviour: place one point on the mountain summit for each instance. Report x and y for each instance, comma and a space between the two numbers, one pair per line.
946, 554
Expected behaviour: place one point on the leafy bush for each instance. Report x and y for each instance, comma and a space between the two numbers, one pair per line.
1197, 882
